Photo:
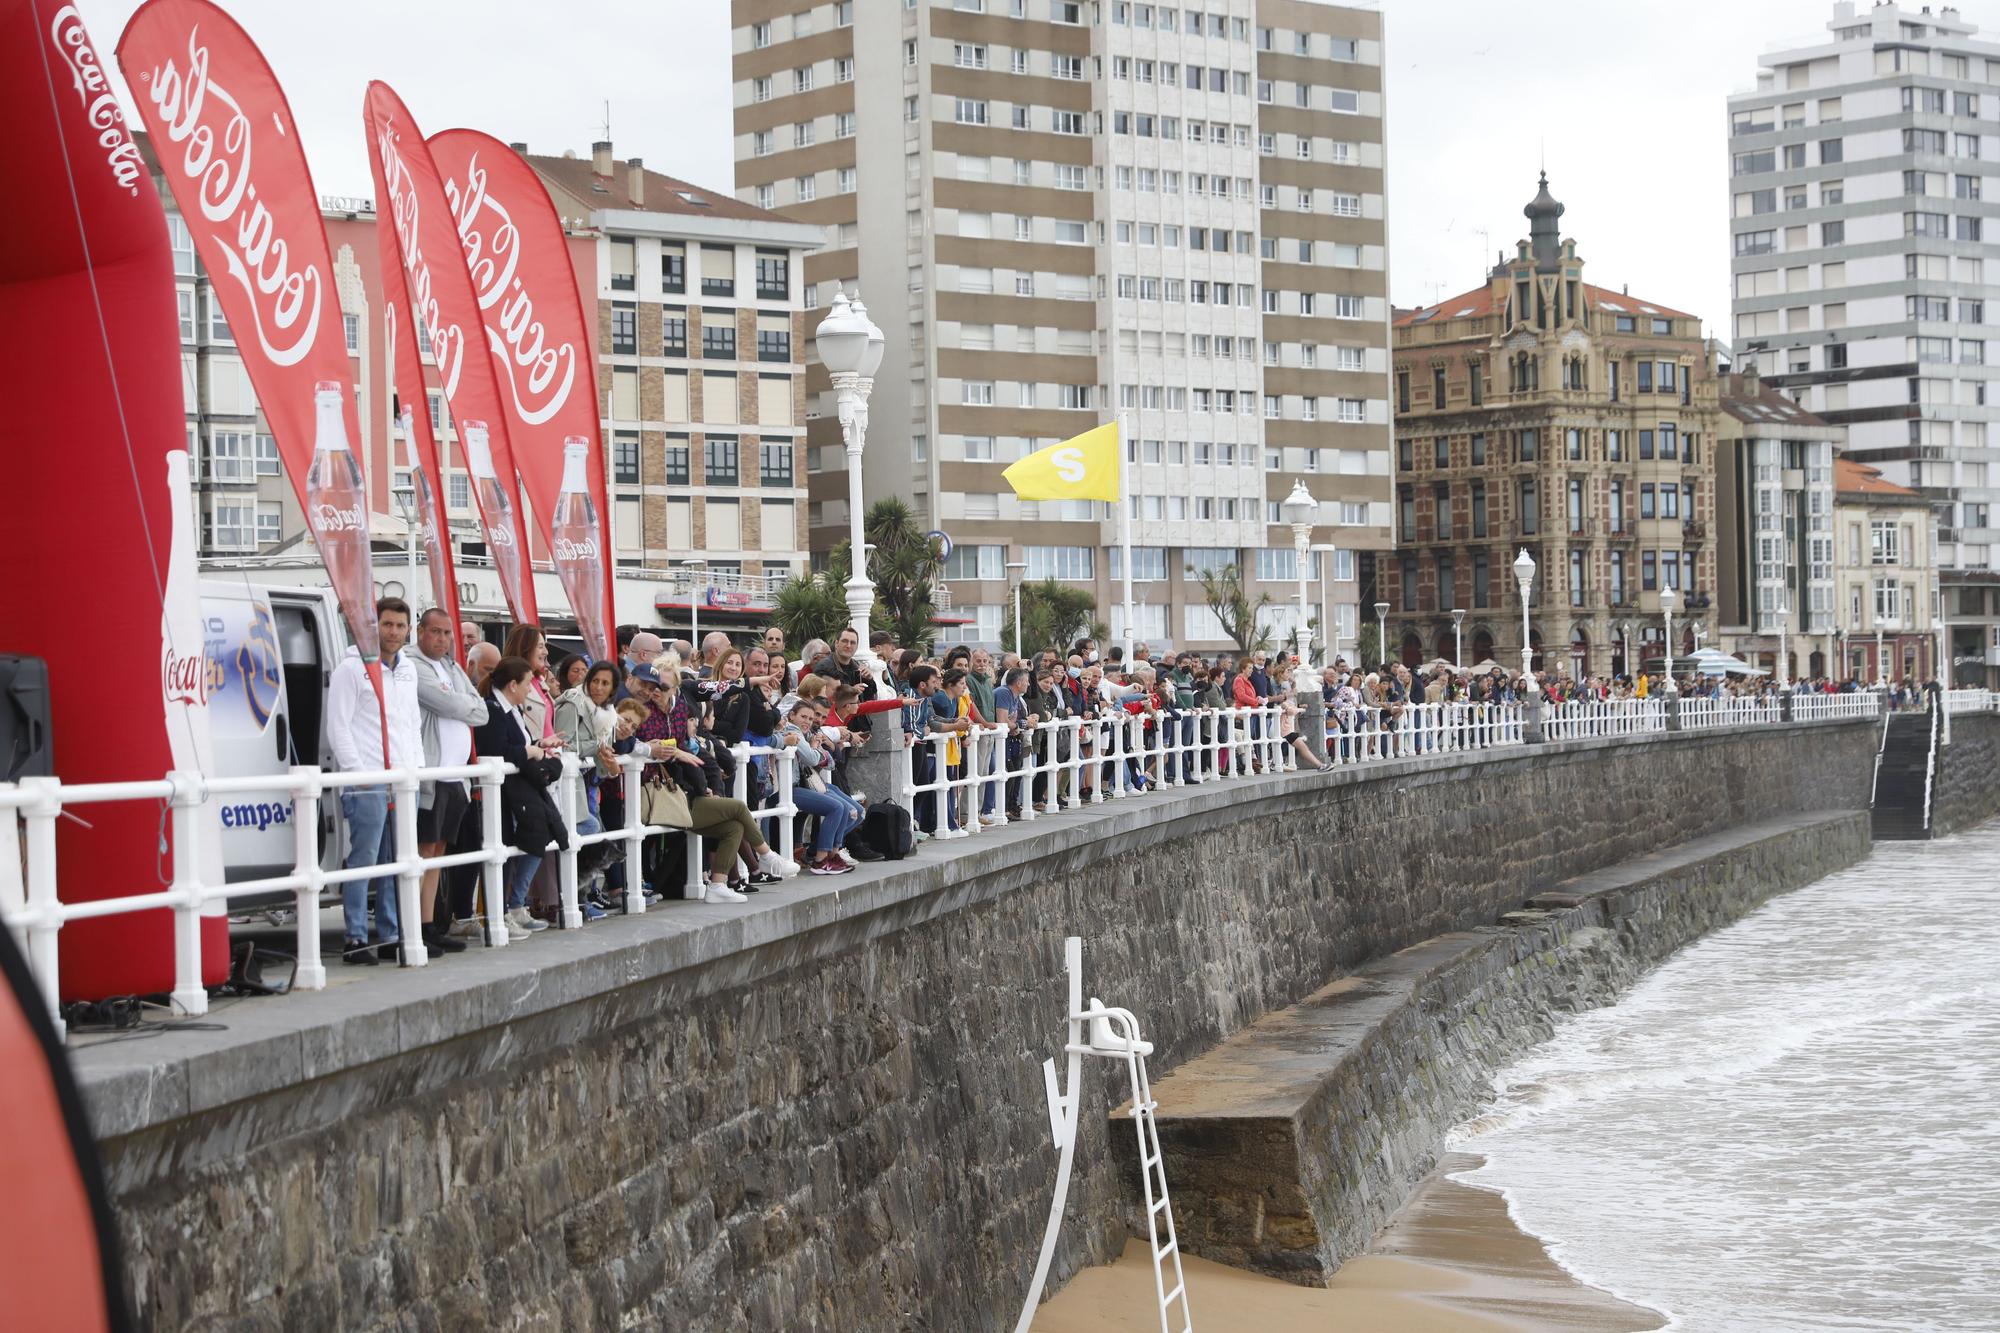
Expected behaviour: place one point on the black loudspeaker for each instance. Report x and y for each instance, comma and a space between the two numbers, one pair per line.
26, 748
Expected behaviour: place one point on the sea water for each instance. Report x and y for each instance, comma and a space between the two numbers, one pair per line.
1792, 1124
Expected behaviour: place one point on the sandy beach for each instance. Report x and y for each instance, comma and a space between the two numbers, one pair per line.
1450, 1260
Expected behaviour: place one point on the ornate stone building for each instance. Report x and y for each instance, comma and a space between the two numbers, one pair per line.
1540, 412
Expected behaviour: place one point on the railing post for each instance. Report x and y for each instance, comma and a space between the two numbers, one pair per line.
311, 971
410, 875
189, 995
1671, 707
786, 762
635, 837
568, 791
40, 816
492, 841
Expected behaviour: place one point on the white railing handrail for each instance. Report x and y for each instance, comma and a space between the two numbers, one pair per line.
1058, 762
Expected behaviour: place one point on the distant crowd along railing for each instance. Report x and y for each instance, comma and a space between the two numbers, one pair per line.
984, 772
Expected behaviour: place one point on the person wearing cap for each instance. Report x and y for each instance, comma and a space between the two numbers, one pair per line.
643, 649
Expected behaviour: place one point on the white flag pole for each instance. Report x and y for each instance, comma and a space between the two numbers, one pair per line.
1125, 540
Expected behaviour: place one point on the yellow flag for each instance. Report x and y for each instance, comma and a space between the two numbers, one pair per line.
1082, 468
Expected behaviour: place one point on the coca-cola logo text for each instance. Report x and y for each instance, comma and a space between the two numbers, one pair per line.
499, 534
446, 338
492, 247
184, 678
100, 104
568, 548
331, 518
217, 139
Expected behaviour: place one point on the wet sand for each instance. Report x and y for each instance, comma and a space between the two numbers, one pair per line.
1450, 1260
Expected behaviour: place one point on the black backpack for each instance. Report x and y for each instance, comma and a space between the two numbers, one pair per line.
887, 829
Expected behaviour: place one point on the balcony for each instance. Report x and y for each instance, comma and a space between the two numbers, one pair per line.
1579, 527
1694, 530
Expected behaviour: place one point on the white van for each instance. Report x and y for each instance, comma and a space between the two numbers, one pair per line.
270, 655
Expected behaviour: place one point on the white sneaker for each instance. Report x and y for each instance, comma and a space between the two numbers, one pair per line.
515, 934
771, 863
471, 928
722, 893
847, 856
521, 919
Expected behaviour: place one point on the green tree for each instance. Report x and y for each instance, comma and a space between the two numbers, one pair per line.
1053, 615
905, 566
1223, 590
1367, 645
812, 606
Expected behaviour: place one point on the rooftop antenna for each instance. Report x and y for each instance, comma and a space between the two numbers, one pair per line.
607, 120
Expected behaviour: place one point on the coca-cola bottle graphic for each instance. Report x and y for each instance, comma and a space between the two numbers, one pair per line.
579, 547
427, 513
497, 510
337, 513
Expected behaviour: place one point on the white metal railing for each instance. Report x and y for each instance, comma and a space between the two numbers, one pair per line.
1054, 764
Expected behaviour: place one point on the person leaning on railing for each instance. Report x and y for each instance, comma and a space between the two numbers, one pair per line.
589, 728
838, 813
529, 818
451, 708
354, 727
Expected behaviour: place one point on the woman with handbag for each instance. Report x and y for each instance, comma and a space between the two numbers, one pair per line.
530, 821
677, 791
839, 814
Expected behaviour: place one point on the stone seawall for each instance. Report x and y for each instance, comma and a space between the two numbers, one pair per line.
1968, 782
1290, 1146
824, 1109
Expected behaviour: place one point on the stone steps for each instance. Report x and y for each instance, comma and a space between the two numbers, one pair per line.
1290, 1145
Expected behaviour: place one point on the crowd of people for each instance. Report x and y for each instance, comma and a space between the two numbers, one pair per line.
682, 713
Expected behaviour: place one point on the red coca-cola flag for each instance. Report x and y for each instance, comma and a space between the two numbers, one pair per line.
100, 521
410, 204
519, 260
426, 476
230, 153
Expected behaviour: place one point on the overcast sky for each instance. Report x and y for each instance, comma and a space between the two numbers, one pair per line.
1624, 100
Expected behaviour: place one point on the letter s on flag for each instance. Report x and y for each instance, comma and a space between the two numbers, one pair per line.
1068, 462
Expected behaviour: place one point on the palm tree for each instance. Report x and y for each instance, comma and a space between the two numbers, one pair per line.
1223, 590
1053, 615
905, 567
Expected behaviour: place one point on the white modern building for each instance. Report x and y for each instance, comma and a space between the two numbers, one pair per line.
1062, 211
1858, 170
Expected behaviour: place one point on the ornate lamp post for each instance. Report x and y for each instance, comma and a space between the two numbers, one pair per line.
1329, 615
1381, 632
1667, 606
1458, 637
850, 347
1015, 569
1524, 575
1300, 509
1784, 670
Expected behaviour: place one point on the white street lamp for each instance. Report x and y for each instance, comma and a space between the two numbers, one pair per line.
697, 567
1458, 637
1014, 568
1299, 510
850, 347
1524, 575
1327, 615
1381, 633
1784, 671
1667, 605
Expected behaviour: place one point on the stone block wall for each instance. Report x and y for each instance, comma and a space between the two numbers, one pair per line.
830, 1115
1968, 782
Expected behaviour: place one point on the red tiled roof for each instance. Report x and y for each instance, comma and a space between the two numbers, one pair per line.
577, 177
1480, 301
1852, 478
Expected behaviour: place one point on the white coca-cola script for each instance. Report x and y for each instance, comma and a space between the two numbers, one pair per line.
447, 339
500, 534
567, 548
331, 518
100, 104
216, 139
492, 255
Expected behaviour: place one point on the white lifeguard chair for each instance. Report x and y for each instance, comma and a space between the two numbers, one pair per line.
1109, 1034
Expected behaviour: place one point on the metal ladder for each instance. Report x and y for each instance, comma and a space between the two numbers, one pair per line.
1108, 1033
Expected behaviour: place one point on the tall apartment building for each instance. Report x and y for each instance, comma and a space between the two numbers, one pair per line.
1858, 169
1538, 412
1057, 211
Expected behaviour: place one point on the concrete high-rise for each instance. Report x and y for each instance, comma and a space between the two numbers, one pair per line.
1860, 246
1059, 211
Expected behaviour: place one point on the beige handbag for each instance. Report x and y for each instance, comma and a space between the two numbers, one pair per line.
664, 804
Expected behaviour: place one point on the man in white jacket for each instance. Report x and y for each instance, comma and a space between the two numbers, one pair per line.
354, 727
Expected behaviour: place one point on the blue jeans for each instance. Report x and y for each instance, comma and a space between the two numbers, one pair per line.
839, 814
371, 840
521, 868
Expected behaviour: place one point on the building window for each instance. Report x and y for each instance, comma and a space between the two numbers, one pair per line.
718, 341
718, 462
678, 462
1530, 509
774, 463
673, 269
1069, 563
774, 281
625, 459
624, 329
774, 345
673, 330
